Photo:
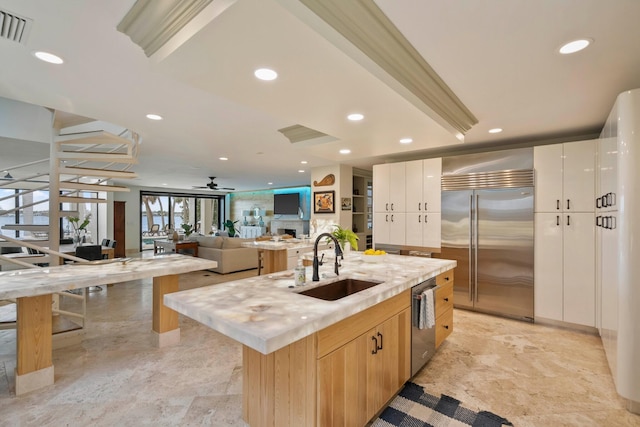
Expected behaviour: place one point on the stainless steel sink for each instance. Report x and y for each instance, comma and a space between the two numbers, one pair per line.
340, 289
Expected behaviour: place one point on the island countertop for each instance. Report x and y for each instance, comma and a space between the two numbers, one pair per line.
266, 312
42, 281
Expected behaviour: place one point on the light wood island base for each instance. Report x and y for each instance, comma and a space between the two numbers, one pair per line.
340, 376
165, 320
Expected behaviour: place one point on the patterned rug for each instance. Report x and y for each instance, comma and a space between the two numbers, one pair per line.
412, 407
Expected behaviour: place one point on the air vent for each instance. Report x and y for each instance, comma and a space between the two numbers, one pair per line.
298, 134
14, 27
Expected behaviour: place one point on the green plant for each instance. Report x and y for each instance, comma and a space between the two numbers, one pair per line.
231, 227
343, 235
188, 229
77, 226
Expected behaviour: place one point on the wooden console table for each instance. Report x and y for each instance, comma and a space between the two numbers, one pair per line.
160, 246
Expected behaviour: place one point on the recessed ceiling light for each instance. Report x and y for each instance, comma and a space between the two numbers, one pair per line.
574, 46
345, 151
301, 170
355, 117
495, 130
154, 117
304, 162
223, 158
406, 141
48, 57
265, 74
164, 183
269, 183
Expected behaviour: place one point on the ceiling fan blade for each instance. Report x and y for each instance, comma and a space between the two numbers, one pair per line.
226, 188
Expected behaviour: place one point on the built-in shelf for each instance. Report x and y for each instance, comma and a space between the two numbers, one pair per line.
362, 209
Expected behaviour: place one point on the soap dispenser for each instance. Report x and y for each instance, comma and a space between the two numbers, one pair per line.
300, 273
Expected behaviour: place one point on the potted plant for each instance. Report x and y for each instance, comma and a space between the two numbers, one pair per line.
188, 229
231, 227
344, 235
79, 227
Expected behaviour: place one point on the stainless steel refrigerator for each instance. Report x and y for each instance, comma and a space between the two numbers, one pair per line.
487, 226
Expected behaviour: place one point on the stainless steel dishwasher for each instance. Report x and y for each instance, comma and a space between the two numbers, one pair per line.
423, 341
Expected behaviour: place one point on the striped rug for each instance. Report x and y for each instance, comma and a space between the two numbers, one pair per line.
412, 407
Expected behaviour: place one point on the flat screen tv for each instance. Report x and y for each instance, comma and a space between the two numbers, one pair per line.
286, 204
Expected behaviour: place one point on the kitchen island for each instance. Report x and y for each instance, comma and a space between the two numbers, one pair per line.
308, 361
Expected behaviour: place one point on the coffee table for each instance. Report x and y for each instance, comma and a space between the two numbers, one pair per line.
175, 246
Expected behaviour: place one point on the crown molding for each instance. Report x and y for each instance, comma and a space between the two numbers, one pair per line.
365, 26
152, 23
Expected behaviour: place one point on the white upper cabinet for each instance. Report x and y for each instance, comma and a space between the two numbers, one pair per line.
432, 187
547, 162
579, 176
565, 177
413, 188
388, 187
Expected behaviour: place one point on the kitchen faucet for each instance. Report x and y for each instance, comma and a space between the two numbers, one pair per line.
317, 263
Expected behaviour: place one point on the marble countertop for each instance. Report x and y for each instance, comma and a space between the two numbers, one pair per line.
42, 281
278, 246
266, 312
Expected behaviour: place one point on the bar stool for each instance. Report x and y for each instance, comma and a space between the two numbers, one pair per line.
260, 260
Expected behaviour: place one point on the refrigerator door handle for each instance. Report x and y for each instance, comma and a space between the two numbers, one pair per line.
475, 250
470, 245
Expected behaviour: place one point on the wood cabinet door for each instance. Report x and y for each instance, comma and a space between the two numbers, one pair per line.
342, 384
390, 366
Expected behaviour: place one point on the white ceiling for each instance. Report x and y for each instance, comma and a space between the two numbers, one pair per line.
499, 57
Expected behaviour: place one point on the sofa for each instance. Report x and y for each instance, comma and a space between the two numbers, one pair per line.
227, 252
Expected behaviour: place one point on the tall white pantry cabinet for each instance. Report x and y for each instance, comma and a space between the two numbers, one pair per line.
389, 203
564, 268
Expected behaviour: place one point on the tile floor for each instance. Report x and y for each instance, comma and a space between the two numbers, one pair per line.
533, 375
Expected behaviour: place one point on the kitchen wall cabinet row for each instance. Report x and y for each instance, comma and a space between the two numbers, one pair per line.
565, 232
407, 203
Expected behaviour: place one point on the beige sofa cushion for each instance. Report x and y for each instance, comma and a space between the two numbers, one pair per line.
211, 241
232, 243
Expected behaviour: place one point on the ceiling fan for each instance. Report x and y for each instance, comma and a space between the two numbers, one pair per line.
214, 186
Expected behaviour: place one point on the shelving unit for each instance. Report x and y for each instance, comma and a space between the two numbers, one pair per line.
362, 208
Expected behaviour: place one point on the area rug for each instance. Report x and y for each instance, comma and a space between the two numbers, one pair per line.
412, 407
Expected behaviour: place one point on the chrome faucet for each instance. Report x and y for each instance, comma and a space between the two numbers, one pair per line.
318, 262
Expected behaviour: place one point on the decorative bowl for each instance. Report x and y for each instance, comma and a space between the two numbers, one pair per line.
374, 258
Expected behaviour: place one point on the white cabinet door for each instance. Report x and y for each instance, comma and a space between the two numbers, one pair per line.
381, 188
548, 282
414, 229
579, 270
608, 173
381, 225
397, 182
579, 176
397, 228
431, 234
431, 184
547, 162
413, 186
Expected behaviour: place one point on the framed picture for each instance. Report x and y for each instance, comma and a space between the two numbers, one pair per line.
346, 203
323, 202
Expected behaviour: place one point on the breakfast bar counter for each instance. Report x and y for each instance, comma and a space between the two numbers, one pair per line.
32, 290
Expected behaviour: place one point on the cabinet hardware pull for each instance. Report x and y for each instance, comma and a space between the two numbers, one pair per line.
425, 219
598, 202
558, 220
568, 219
386, 218
391, 206
425, 206
613, 199
599, 221
613, 221
375, 345
391, 217
568, 204
419, 208
446, 278
386, 206
446, 326
446, 299
419, 219
558, 204
380, 335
